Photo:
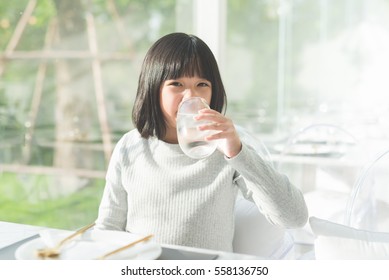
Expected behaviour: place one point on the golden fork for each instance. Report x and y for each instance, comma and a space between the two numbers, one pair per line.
54, 252
125, 247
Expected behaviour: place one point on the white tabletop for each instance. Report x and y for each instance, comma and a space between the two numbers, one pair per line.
12, 232
13, 235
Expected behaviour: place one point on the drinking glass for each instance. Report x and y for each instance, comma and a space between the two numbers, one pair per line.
191, 140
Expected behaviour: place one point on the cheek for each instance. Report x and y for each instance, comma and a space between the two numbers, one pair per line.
169, 105
174, 107
208, 97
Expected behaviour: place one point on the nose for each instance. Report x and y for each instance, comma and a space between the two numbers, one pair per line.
188, 93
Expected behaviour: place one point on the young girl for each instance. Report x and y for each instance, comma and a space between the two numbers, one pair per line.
152, 187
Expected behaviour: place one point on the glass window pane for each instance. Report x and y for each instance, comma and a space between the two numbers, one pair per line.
291, 63
69, 72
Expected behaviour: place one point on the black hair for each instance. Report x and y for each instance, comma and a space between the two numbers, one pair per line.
173, 56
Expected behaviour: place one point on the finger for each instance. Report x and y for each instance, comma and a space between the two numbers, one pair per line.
221, 130
212, 118
207, 116
212, 126
215, 136
219, 135
208, 112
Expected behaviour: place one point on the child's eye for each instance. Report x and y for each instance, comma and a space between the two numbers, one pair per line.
175, 84
203, 85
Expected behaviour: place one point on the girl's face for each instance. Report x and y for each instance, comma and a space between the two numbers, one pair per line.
172, 92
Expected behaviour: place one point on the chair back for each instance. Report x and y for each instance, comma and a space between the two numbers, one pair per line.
257, 144
368, 205
254, 234
320, 139
308, 157
315, 159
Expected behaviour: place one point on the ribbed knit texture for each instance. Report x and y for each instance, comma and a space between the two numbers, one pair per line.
153, 187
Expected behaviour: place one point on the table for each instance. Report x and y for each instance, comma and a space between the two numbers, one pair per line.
12, 235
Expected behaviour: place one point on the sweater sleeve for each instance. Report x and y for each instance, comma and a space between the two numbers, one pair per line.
280, 201
113, 206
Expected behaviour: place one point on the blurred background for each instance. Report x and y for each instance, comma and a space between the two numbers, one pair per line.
69, 72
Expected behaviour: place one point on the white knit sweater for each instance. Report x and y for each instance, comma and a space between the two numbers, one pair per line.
152, 187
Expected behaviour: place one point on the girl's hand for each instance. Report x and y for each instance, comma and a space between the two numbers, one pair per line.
232, 144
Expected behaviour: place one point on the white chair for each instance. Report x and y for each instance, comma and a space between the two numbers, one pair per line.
336, 241
254, 234
313, 160
368, 205
365, 232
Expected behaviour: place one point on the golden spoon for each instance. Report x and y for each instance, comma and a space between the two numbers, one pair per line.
54, 252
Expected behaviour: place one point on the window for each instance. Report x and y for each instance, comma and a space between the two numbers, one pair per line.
297, 62
69, 72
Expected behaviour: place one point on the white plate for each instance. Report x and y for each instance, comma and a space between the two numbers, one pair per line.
93, 245
309, 150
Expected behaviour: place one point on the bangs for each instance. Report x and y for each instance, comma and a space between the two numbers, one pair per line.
187, 61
